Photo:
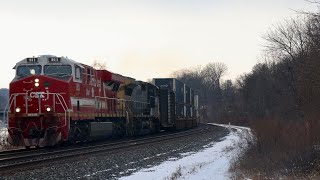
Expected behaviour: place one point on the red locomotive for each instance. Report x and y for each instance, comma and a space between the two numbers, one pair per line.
55, 99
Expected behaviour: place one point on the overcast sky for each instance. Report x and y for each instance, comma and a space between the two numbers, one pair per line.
140, 38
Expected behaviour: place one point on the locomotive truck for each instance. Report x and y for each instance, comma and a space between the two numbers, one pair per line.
55, 100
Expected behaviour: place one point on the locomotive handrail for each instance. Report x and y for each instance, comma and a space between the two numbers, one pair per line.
61, 101
124, 103
5, 112
7, 108
116, 110
64, 108
121, 99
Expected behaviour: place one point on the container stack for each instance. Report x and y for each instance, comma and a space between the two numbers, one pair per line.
184, 99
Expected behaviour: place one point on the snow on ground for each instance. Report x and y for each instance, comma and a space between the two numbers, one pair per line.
3, 134
211, 163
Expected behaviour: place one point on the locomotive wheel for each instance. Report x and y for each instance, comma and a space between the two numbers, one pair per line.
70, 142
119, 129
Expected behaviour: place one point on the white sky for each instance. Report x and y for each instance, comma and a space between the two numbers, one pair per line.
140, 38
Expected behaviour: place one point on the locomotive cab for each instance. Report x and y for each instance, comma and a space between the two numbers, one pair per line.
52, 66
39, 106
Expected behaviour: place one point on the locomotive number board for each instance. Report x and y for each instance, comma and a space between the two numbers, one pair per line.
54, 59
32, 60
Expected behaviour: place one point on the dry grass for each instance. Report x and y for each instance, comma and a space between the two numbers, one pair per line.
177, 174
282, 149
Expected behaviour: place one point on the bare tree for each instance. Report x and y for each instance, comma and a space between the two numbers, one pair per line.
313, 1
206, 81
191, 76
288, 44
99, 65
212, 74
287, 40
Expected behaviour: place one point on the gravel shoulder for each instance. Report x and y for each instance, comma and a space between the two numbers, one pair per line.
112, 165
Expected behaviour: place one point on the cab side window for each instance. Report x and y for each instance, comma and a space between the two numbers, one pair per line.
88, 76
78, 72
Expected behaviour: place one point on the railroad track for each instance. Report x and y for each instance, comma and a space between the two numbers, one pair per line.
23, 151
21, 158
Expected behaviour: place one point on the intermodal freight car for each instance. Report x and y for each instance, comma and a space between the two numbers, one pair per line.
55, 100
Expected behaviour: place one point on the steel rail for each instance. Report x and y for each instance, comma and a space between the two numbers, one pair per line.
20, 161
24, 152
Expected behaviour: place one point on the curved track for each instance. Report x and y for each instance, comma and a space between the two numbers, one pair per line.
10, 160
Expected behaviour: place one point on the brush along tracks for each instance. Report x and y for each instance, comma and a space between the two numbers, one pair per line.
11, 160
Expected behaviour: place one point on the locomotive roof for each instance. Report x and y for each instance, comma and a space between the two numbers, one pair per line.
43, 59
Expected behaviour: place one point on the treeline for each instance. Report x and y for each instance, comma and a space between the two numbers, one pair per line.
219, 100
206, 81
279, 99
285, 86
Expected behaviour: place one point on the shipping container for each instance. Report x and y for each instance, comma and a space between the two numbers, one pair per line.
185, 103
167, 107
173, 84
196, 106
188, 95
192, 97
188, 110
178, 88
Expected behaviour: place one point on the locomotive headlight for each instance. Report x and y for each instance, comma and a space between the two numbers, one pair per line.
36, 80
36, 84
48, 109
18, 109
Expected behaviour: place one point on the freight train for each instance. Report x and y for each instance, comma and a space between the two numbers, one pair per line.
55, 100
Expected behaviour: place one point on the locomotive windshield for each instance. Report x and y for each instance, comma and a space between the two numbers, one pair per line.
58, 71
28, 70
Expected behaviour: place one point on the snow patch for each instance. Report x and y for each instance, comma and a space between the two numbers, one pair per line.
3, 137
212, 162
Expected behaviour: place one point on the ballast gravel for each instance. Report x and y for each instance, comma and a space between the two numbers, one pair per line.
112, 165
